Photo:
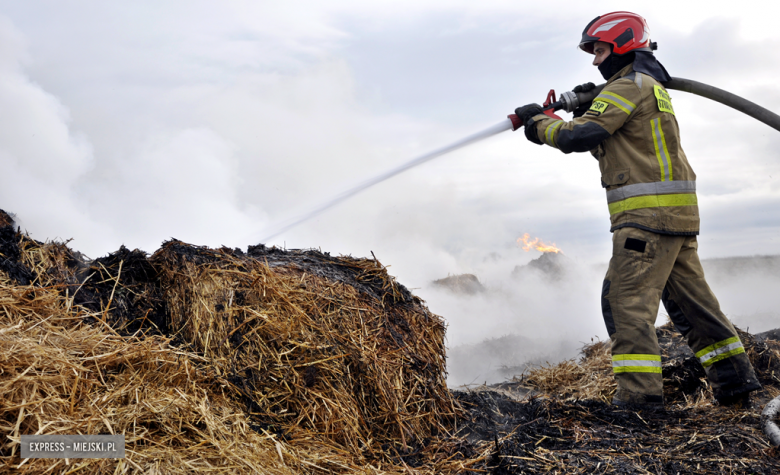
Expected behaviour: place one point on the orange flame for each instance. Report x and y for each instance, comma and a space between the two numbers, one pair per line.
527, 244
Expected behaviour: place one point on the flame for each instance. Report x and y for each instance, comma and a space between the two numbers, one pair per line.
527, 244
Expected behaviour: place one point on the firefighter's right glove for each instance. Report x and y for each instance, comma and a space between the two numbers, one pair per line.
583, 108
526, 114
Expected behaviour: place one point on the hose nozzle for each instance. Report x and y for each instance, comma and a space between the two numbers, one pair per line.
516, 122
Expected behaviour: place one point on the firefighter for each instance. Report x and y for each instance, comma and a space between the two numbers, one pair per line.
631, 129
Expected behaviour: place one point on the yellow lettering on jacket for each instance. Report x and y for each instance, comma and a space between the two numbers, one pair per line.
598, 107
664, 99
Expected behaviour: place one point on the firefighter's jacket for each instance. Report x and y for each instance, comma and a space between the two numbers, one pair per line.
632, 130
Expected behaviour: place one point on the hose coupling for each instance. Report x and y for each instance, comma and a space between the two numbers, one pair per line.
570, 101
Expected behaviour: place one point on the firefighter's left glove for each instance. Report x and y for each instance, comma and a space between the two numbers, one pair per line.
526, 114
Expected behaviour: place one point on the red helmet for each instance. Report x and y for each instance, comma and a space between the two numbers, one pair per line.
624, 30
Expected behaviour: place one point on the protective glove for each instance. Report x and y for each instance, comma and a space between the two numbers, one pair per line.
588, 86
583, 108
525, 114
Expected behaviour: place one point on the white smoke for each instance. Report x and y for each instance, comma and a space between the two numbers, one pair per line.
41, 157
544, 317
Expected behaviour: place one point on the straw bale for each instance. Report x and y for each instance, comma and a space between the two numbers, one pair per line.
62, 375
328, 344
213, 360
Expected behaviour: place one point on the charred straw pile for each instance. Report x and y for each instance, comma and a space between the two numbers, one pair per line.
568, 426
215, 360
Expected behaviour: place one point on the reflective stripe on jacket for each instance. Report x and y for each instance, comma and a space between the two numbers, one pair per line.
632, 130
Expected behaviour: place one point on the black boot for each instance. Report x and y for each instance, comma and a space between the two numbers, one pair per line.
737, 401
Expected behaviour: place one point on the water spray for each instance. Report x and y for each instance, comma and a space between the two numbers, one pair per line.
502, 126
569, 101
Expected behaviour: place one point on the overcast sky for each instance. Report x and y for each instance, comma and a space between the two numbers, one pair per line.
134, 122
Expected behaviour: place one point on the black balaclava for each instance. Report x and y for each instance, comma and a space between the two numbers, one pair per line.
644, 62
614, 63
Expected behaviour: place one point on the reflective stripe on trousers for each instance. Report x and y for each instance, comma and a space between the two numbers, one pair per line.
636, 363
720, 351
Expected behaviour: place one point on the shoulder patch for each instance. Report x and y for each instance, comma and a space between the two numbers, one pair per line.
664, 99
597, 108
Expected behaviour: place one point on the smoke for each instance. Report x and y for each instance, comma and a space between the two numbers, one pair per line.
149, 189
746, 288
209, 158
41, 156
527, 315
532, 315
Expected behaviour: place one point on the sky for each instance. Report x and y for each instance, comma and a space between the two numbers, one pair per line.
136, 122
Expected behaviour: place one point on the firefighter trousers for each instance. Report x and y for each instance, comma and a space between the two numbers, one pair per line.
646, 268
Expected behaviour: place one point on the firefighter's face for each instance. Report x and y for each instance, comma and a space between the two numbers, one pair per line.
601, 50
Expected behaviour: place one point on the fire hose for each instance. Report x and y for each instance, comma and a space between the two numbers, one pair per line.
571, 100
768, 417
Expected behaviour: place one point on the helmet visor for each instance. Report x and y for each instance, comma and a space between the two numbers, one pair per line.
587, 46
